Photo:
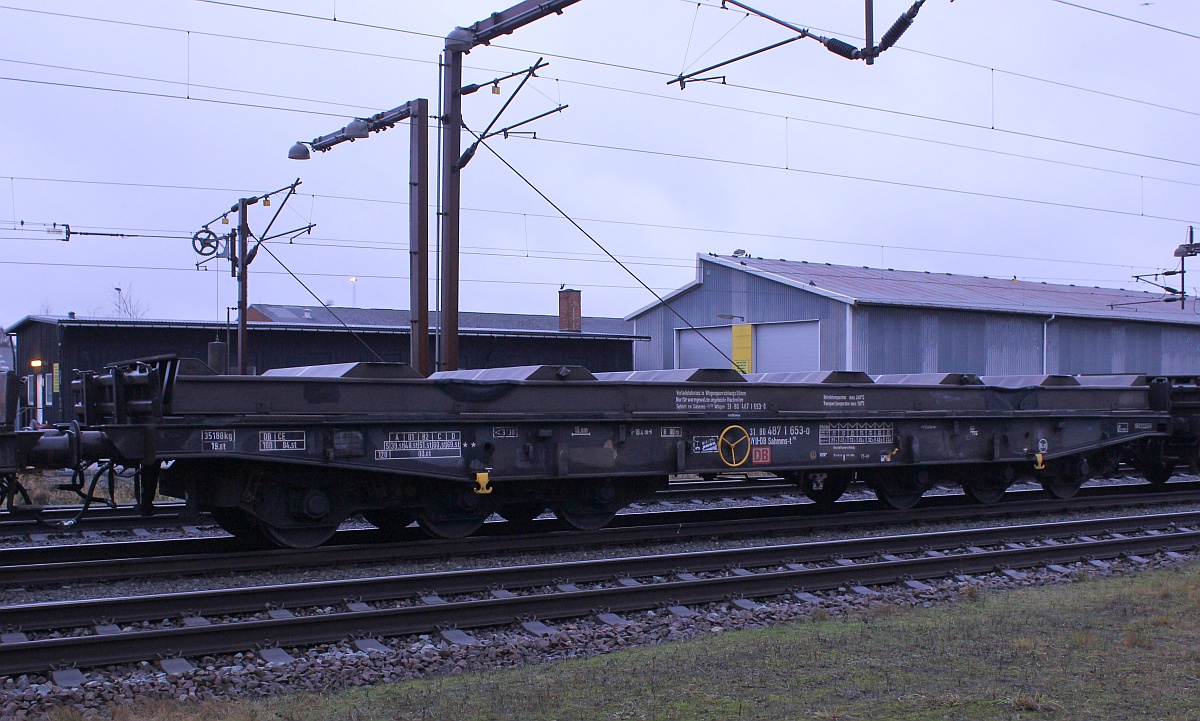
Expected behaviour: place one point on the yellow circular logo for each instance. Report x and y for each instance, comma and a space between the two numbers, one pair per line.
734, 446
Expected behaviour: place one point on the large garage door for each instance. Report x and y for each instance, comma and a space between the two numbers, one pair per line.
693, 351
792, 346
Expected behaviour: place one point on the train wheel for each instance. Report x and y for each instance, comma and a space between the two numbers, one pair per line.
591, 507
1157, 472
453, 512
390, 522
1063, 477
583, 517
824, 488
901, 490
442, 525
521, 515
1063, 488
984, 491
987, 486
298, 537
241, 525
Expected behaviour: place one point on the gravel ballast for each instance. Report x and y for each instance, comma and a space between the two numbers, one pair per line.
327, 667
332, 666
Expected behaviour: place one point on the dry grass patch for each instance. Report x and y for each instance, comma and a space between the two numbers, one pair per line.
42, 487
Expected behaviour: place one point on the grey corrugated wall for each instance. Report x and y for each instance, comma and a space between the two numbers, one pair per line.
731, 292
925, 340
1080, 345
897, 339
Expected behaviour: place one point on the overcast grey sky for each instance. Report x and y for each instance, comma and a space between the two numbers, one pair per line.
1032, 138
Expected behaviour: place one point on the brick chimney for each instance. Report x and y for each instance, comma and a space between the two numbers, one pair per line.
570, 310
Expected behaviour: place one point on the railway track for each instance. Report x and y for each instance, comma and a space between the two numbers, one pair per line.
43, 565
373, 609
50, 520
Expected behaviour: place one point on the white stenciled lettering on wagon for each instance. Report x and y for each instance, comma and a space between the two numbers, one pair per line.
420, 444
854, 400
218, 440
695, 399
281, 440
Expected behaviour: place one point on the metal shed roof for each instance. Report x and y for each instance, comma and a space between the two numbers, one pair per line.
885, 286
499, 324
384, 317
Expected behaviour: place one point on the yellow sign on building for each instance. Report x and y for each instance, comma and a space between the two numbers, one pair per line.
743, 348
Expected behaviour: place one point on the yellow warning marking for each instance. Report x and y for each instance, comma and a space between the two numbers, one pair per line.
483, 483
1041, 464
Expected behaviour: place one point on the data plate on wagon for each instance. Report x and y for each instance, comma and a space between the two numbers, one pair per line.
405, 445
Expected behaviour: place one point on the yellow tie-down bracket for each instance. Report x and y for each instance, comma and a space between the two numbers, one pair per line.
1041, 462
483, 483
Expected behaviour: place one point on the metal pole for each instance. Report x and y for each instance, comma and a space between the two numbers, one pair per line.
243, 282
1183, 270
451, 193
870, 34
418, 235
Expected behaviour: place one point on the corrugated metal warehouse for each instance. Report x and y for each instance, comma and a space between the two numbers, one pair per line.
780, 315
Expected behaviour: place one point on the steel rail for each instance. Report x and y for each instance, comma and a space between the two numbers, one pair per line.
50, 615
86, 651
34, 566
104, 518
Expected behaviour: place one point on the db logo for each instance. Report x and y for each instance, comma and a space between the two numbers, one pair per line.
760, 455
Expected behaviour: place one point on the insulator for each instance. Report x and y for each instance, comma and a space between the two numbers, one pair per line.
845, 49
894, 32
897, 29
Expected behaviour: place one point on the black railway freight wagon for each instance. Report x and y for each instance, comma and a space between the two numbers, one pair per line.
285, 457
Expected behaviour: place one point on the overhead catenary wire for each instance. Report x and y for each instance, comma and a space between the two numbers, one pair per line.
486, 281
187, 84
792, 169
982, 66
661, 226
564, 57
1128, 19
742, 163
1092, 146
676, 99
965, 124
148, 94
860, 178
968, 280
665, 74
520, 253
